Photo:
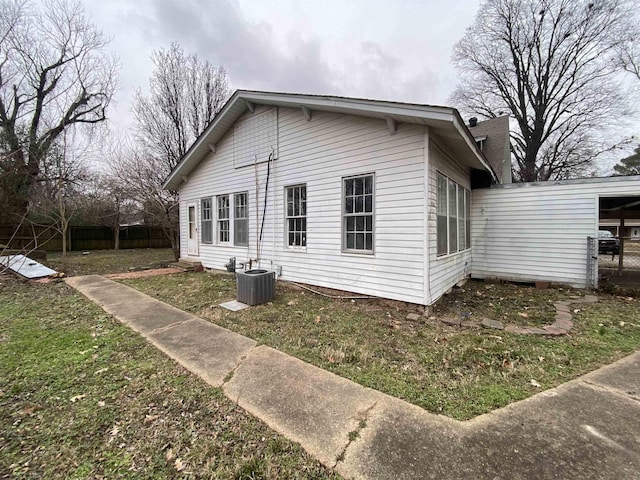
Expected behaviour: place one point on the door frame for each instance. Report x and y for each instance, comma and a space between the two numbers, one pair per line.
192, 229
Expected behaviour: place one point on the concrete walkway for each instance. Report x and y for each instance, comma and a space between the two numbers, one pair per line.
586, 429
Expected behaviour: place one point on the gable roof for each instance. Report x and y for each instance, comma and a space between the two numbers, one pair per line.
445, 121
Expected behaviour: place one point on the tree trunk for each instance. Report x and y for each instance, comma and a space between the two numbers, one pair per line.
116, 237
175, 244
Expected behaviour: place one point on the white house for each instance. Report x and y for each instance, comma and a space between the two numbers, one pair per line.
378, 198
366, 196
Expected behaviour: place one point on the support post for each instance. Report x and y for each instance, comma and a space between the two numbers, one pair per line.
621, 240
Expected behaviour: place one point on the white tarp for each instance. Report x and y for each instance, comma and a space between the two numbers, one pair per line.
25, 266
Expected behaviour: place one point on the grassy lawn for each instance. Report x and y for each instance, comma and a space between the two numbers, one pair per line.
456, 372
101, 262
82, 396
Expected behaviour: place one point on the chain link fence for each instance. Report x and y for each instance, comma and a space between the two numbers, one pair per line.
621, 266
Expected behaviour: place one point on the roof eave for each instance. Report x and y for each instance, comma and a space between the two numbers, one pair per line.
373, 108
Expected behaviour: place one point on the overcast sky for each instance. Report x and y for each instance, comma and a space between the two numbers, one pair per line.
383, 49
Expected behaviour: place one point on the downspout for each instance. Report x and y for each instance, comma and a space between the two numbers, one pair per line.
425, 241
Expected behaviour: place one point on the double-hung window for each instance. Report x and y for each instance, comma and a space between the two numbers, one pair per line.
241, 220
296, 216
223, 218
357, 213
206, 221
453, 212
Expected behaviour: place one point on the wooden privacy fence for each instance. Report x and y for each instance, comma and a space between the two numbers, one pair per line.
82, 238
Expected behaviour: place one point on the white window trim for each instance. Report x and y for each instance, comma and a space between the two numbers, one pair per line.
231, 197
228, 219
343, 228
246, 206
466, 196
211, 220
298, 248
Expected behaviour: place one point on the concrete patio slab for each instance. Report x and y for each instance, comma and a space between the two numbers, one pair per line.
309, 405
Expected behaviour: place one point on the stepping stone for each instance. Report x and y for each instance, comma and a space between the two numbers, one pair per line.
553, 330
514, 329
536, 331
565, 324
451, 321
469, 324
492, 324
563, 316
413, 317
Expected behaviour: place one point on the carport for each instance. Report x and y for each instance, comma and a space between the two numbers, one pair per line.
621, 216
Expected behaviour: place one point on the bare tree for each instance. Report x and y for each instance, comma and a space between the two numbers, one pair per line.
551, 65
56, 196
54, 74
109, 203
185, 95
141, 176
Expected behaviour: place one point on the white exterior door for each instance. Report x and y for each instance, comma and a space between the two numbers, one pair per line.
192, 228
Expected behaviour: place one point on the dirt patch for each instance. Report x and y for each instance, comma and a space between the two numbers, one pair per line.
143, 273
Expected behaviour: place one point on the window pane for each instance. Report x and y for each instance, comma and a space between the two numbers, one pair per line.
368, 204
359, 241
453, 209
442, 195
359, 205
348, 187
461, 219
369, 241
453, 235
368, 185
351, 224
467, 197
348, 206
358, 186
351, 241
442, 235
360, 224
369, 223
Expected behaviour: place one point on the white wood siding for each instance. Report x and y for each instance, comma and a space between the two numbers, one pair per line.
444, 271
538, 231
319, 153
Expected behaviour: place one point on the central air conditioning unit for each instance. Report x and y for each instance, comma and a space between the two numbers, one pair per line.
255, 286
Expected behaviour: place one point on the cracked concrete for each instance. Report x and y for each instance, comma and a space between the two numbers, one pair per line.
585, 429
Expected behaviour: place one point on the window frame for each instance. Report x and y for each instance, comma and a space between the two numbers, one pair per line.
345, 215
204, 221
236, 218
220, 219
462, 224
287, 217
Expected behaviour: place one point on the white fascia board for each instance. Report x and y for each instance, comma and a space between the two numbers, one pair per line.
380, 108
468, 138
